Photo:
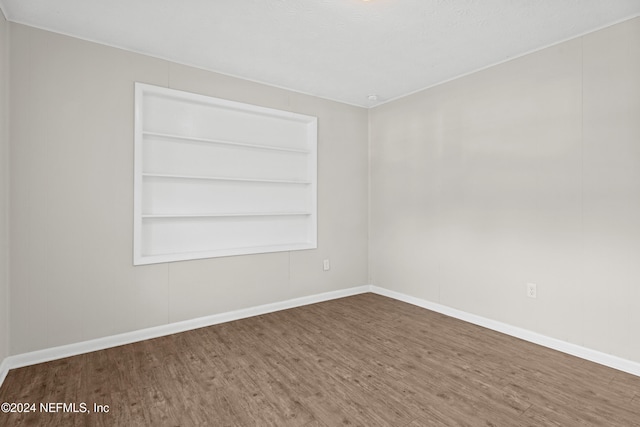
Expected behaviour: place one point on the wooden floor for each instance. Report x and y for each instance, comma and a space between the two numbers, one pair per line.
365, 360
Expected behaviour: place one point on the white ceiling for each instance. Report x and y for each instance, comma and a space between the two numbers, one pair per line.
343, 50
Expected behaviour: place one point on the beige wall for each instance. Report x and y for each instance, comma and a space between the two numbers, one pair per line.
72, 277
4, 188
525, 172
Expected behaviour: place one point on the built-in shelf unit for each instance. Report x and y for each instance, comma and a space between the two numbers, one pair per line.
214, 177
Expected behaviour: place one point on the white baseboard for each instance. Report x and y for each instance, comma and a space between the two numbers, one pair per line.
4, 370
46, 355
543, 340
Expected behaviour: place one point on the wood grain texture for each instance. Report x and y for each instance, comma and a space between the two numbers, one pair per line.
364, 360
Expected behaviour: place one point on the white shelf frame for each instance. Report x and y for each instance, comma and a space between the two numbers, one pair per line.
146, 134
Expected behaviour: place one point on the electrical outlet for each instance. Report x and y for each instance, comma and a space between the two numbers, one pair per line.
326, 265
532, 290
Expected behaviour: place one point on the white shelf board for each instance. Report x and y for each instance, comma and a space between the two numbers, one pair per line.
221, 178
222, 142
185, 256
223, 215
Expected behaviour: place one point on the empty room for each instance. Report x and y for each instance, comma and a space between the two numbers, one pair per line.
317, 213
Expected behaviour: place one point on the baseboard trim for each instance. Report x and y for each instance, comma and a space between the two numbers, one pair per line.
49, 354
4, 370
524, 334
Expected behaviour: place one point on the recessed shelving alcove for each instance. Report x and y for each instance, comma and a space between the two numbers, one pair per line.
216, 178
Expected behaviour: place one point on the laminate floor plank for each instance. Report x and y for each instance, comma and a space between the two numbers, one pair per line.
356, 394
353, 373
364, 360
423, 392
448, 387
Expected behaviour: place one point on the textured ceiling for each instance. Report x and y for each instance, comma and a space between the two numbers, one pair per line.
344, 50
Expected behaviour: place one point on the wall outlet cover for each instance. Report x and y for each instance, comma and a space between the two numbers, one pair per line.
532, 290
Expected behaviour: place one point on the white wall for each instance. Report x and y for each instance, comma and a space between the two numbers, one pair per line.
72, 277
525, 172
4, 188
